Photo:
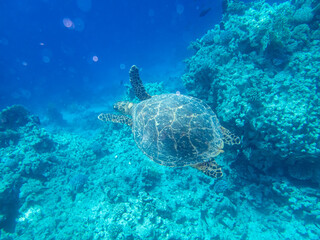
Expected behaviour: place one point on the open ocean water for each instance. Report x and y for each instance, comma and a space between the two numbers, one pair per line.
216, 135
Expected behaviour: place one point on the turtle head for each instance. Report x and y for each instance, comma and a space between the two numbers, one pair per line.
124, 107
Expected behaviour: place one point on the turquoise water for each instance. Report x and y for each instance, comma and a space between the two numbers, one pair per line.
67, 175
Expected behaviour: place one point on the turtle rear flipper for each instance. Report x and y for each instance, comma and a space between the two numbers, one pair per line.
229, 138
210, 168
108, 117
137, 84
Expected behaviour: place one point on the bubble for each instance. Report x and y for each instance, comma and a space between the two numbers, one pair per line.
178, 93
68, 23
24, 63
180, 9
122, 66
41, 44
95, 59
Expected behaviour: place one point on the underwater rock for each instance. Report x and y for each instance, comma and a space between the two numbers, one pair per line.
253, 94
9, 200
118, 211
150, 178
114, 230
226, 37
16, 116
163, 209
44, 145
37, 167
221, 186
15, 123
77, 183
11, 163
8, 138
303, 15
209, 38
234, 7
30, 193
301, 33
301, 170
196, 45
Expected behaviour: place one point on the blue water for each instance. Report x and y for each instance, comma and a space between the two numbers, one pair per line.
66, 175
43, 60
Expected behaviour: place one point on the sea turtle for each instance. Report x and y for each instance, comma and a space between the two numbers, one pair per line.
173, 129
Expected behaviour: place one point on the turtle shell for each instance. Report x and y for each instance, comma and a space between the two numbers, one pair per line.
177, 130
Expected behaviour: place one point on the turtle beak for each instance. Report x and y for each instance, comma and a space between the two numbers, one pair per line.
120, 107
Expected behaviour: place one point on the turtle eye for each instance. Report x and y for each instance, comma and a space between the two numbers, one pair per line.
116, 106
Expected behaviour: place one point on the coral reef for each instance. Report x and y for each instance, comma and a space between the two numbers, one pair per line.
260, 72
104, 187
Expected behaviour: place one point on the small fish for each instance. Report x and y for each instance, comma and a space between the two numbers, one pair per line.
204, 12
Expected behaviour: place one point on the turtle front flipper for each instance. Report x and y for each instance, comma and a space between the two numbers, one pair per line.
108, 117
137, 84
210, 168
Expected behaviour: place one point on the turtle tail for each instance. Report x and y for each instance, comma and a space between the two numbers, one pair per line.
137, 84
109, 117
211, 168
